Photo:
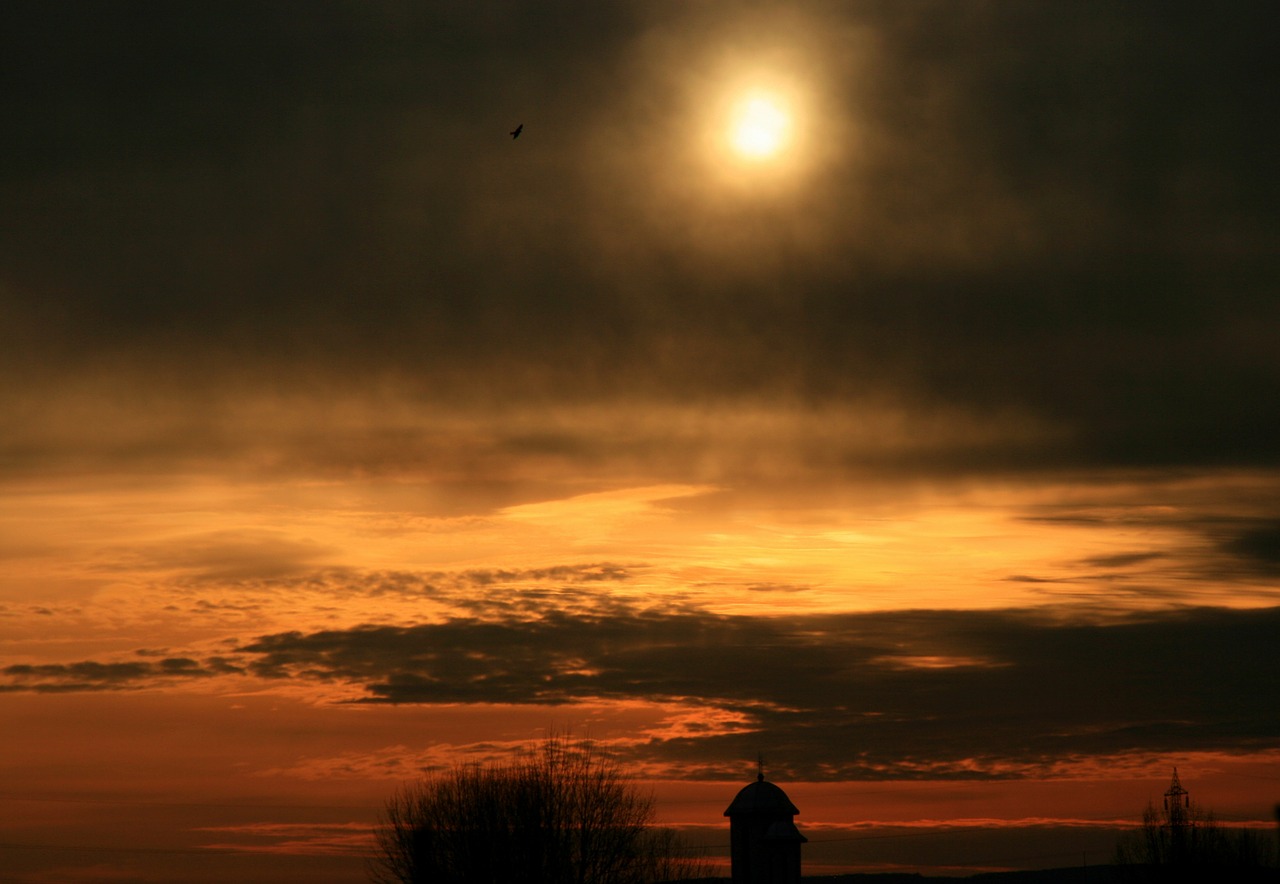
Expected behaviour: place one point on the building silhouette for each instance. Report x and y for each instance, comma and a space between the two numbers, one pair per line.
764, 843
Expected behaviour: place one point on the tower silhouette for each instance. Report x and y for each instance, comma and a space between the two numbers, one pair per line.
764, 843
1178, 822
1177, 802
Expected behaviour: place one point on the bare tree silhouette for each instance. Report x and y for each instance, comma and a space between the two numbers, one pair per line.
560, 813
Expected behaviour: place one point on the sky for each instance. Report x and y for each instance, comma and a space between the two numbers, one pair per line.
886, 389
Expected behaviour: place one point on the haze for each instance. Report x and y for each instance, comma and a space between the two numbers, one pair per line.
925, 442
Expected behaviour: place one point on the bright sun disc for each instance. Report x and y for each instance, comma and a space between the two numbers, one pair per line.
759, 128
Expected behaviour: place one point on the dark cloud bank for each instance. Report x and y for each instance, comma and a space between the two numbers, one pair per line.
903, 694
1066, 211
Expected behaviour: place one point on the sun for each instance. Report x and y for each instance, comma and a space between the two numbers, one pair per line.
759, 126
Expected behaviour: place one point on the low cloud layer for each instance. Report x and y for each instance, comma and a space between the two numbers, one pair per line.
906, 694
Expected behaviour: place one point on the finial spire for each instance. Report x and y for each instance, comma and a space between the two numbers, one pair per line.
759, 767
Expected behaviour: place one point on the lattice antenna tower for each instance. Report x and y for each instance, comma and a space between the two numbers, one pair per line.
1177, 803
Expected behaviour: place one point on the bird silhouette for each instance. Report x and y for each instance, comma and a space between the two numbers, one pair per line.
515, 133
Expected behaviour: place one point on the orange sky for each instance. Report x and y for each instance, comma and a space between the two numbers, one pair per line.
203, 755
883, 389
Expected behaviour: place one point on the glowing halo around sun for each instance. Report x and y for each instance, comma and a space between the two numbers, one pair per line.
756, 134
760, 126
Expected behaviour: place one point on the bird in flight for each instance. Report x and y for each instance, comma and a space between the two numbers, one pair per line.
515, 133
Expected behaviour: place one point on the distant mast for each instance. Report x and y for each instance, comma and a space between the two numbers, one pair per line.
1177, 803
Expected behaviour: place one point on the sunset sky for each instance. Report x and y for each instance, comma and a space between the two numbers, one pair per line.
885, 388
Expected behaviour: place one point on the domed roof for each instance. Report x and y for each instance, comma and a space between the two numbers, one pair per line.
761, 797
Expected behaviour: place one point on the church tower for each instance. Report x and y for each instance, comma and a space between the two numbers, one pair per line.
764, 843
